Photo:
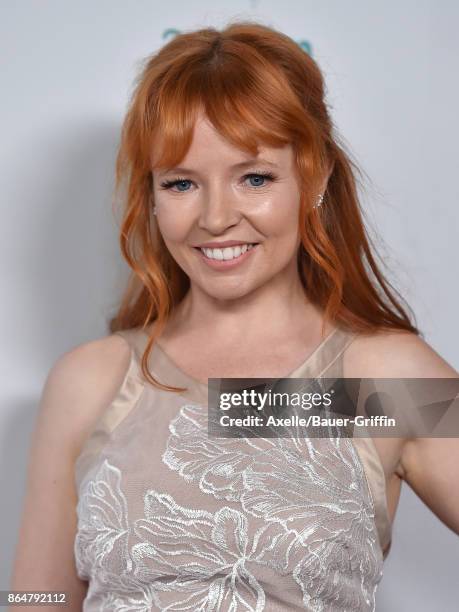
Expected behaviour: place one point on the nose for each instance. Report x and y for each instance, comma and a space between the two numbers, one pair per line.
218, 210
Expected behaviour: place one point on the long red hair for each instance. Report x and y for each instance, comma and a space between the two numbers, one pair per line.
256, 86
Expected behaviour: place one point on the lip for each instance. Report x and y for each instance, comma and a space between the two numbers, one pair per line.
225, 264
222, 245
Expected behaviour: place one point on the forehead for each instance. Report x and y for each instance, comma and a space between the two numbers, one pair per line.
208, 141
210, 150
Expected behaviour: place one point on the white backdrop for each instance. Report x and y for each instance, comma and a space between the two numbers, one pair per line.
67, 69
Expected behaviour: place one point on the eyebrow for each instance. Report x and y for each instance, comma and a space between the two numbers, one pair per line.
240, 165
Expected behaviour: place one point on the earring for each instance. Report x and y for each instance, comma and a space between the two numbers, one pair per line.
319, 201
154, 210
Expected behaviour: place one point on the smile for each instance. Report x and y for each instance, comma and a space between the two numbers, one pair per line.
227, 253
229, 257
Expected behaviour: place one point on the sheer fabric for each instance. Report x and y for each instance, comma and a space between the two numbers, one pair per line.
170, 519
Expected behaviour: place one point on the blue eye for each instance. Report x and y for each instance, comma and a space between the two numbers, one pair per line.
258, 176
170, 184
182, 182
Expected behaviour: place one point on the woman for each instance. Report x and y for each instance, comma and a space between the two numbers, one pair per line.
249, 260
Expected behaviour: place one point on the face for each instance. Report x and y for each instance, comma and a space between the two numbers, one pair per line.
219, 194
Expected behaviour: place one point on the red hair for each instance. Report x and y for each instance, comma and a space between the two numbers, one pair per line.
256, 86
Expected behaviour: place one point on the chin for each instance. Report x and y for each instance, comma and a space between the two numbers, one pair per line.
231, 290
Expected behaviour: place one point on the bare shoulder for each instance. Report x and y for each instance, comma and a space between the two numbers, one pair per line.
395, 354
99, 363
84, 380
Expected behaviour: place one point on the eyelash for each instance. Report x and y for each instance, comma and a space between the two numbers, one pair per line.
267, 175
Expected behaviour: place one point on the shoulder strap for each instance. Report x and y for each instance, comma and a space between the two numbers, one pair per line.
126, 397
327, 360
137, 339
330, 363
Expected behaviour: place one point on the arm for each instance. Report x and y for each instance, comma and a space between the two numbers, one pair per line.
78, 389
429, 465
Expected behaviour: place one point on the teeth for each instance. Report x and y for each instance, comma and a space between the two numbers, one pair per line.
227, 253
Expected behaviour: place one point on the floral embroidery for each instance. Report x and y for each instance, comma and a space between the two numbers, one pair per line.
295, 514
101, 545
104, 507
182, 558
204, 560
313, 487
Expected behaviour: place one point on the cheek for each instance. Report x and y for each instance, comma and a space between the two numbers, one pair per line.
278, 218
174, 224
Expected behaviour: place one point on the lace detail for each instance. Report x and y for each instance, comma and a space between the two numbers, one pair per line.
101, 546
181, 558
297, 518
314, 487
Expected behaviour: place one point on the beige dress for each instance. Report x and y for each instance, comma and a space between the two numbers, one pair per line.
170, 519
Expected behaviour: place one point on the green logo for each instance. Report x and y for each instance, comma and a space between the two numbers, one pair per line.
304, 44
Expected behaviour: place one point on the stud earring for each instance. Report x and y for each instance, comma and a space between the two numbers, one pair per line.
319, 201
154, 210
